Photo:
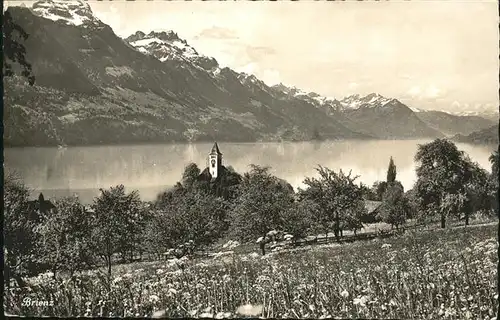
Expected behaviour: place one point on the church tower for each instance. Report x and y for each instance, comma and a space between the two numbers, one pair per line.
215, 161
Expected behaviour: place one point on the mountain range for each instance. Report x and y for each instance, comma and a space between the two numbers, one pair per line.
93, 87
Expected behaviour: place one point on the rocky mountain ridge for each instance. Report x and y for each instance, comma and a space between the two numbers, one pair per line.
93, 87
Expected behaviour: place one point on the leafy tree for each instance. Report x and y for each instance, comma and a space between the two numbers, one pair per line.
452, 204
395, 206
170, 195
18, 230
367, 192
337, 196
63, 237
378, 190
190, 175
13, 48
494, 160
413, 204
195, 216
298, 218
442, 171
353, 216
226, 184
115, 223
391, 172
474, 190
493, 181
259, 208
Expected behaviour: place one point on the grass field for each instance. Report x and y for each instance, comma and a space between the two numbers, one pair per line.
449, 273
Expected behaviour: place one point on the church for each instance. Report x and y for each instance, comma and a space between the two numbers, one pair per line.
216, 176
214, 161
214, 170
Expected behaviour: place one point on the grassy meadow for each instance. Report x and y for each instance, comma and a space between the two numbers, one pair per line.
449, 273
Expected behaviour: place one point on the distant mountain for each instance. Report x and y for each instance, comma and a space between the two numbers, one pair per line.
168, 46
93, 87
372, 115
451, 125
485, 136
483, 112
388, 118
385, 118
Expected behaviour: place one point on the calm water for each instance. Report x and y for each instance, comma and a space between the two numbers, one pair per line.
152, 168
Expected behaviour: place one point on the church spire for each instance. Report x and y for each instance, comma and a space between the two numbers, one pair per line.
214, 161
215, 149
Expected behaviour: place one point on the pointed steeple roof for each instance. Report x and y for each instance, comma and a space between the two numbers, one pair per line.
215, 149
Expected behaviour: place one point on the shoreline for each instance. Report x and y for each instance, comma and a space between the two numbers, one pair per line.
182, 142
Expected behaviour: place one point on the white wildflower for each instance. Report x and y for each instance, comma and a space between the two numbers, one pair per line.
253, 255
249, 310
206, 315
159, 271
344, 294
158, 314
222, 315
360, 301
172, 291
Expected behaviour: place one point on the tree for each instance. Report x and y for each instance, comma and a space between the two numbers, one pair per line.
298, 218
262, 200
170, 195
494, 160
367, 192
337, 196
64, 237
442, 171
13, 49
395, 207
190, 175
474, 190
413, 204
226, 185
115, 225
453, 203
353, 216
493, 181
18, 230
391, 172
378, 190
195, 217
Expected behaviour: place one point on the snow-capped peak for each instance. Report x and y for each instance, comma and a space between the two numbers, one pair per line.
415, 109
71, 12
249, 77
246, 78
369, 101
166, 45
311, 97
297, 92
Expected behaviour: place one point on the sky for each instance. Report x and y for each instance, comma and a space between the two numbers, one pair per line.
440, 55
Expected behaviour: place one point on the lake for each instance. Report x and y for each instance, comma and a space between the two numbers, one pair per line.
153, 168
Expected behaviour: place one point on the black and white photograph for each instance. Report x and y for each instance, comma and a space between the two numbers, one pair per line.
251, 159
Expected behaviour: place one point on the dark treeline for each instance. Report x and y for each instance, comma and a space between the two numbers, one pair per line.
199, 211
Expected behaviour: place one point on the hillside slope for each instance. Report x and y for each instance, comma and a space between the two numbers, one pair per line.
485, 136
93, 87
450, 124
